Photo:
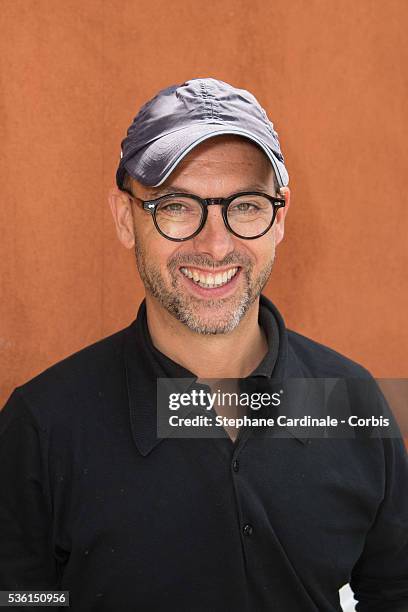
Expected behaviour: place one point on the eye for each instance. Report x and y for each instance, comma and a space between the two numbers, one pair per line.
173, 207
180, 208
243, 207
246, 206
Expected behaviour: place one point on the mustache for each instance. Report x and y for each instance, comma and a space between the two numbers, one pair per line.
184, 259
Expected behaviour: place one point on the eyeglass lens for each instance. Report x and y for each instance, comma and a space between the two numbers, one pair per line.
180, 217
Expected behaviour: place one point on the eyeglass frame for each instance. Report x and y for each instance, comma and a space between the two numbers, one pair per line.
151, 206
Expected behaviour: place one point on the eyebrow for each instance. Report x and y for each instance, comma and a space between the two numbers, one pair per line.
176, 189
170, 189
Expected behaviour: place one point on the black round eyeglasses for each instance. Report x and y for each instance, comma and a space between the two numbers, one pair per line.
181, 216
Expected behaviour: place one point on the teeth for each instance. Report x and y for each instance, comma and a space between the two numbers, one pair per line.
209, 280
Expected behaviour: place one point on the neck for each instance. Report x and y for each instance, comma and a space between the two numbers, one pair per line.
208, 356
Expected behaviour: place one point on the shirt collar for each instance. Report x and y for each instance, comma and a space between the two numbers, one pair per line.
144, 364
267, 321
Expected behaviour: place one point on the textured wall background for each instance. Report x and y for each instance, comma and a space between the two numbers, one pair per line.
332, 76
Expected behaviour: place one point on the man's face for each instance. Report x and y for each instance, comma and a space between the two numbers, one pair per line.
210, 281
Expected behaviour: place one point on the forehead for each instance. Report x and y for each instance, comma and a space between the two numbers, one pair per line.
219, 149
224, 162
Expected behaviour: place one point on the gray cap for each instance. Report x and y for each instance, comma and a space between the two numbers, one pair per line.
182, 116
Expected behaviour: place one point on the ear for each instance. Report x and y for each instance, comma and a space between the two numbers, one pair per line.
281, 214
121, 206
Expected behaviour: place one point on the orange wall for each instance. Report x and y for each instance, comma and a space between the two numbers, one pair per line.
333, 77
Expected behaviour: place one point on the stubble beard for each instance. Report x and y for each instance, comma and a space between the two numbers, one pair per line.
224, 314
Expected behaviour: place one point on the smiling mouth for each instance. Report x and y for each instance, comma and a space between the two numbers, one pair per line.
208, 280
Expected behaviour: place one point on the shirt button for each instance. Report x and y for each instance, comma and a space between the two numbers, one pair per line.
235, 465
247, 529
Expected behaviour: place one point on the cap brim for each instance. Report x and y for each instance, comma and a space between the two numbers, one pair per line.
154, 163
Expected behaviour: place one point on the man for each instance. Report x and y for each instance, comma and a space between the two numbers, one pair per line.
95, 502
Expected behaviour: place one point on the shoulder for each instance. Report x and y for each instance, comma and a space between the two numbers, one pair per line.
313, 359
74, 383
321, 361
348, 385
86, 365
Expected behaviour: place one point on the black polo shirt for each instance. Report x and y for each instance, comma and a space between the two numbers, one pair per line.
93, 502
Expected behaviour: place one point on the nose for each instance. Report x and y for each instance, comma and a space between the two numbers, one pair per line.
214, 239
